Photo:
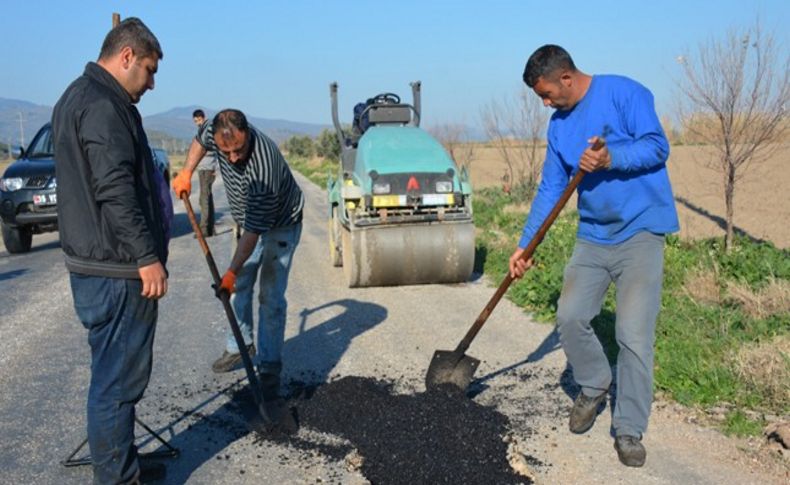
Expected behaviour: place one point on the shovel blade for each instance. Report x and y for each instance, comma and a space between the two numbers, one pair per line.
450, 368
274, 417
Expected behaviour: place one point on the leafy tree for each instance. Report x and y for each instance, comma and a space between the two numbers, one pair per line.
327, 145
299, 146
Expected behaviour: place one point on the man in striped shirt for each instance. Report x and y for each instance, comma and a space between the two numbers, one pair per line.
266, 203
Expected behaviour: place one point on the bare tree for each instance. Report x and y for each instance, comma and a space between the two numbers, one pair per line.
736, 98
515, 127
456, 140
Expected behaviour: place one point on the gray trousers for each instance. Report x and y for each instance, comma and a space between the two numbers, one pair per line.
636, 267
206, 178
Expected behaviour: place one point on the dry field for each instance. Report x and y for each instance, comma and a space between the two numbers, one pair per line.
762, 197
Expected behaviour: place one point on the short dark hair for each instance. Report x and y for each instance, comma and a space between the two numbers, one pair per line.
198, 113
131, 32
545, 61
230, 119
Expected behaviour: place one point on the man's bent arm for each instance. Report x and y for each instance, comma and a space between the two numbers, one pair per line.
649, 147
195, 154
243, 251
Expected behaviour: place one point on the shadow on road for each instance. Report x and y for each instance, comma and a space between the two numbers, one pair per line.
34, 249
316, 350
9, 275
313, 352
550, 344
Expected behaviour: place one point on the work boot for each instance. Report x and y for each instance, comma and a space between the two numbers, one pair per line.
151, 471
584, 411
269, 377
630, 450
229, 361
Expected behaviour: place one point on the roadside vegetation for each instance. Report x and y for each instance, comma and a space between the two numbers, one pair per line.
315, 159
723, 334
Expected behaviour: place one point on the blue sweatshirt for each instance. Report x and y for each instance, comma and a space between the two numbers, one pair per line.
634, 194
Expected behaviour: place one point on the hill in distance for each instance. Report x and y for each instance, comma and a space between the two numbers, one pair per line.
171, 129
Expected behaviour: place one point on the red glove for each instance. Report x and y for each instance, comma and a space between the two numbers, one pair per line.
228, 282
182, 183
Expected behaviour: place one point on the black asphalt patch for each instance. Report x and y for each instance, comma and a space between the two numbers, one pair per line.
430, 437
359, 422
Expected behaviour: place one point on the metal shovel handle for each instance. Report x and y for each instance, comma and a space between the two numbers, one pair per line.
255, 386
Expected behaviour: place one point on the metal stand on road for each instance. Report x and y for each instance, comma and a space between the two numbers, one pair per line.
168, 452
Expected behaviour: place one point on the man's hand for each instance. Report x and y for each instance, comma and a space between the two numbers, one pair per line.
182, 183
228, 283
154, 280
595, 158
517, 265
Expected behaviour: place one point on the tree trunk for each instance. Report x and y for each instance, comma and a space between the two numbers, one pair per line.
729, 196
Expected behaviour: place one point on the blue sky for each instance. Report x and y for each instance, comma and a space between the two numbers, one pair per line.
275, 59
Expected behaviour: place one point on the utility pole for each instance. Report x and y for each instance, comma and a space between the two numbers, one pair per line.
21, 129
116, 19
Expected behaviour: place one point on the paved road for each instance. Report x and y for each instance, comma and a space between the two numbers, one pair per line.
332, 331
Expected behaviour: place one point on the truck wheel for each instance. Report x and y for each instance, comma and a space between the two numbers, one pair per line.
17, 239
335, 242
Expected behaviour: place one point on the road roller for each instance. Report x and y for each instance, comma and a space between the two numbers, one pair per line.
400, 210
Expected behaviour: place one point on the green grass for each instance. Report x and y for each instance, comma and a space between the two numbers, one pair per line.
315, 169
695, 343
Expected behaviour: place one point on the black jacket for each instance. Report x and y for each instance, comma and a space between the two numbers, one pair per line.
109, 214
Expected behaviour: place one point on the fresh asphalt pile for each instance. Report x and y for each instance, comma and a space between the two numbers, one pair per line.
361, 423
429, 437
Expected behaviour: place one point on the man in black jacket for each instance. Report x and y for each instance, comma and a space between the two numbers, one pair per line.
113, 230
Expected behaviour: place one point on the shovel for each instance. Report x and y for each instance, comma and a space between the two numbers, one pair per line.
270, 422
454, 367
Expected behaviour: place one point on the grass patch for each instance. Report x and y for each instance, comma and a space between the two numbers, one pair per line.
738, 424
316, 169
724, 318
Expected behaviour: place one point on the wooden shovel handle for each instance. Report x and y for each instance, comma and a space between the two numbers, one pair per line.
255, 385
528, 252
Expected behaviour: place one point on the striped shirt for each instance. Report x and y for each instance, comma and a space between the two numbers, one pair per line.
261, 191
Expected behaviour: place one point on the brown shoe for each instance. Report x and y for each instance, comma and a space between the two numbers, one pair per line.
584, 411
630, 450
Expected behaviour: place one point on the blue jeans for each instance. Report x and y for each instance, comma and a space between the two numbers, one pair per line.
636, 266
272, 259
121, 326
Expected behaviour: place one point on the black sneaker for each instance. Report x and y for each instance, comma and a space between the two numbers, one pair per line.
229, 362
630, 450
584, 411
151, 471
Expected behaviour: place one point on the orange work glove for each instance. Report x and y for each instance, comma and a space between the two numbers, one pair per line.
228, 282
182, 183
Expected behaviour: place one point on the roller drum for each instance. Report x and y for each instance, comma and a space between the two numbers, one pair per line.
408, 254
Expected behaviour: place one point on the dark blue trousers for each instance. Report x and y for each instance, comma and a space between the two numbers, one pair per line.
121, 326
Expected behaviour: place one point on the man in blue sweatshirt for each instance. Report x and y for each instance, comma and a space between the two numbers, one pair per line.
626, 207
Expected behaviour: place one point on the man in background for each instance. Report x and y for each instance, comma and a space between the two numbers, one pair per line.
206, 169
113, 231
